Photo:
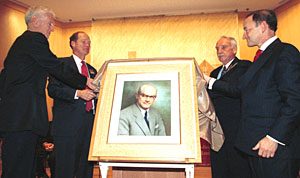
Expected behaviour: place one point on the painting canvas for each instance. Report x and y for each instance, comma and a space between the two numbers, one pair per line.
166, 104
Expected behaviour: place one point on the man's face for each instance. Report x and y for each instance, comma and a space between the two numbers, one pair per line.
81, 47
252, 33
45, 24
147, 97
224, 50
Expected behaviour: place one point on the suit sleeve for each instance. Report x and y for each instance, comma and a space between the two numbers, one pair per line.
287, 77
44, 57
2, 81
230, 89
58, 90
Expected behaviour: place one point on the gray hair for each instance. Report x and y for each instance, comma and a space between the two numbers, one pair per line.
139, 90
38, 11
233, 42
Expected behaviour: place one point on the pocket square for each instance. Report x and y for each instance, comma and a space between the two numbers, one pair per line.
156, 126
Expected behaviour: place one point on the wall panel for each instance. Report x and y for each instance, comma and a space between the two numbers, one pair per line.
175, 36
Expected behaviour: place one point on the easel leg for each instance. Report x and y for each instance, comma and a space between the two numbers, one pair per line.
189, 172
103, 170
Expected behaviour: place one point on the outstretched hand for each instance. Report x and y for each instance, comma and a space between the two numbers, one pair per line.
86, 94
90, 84
207, 78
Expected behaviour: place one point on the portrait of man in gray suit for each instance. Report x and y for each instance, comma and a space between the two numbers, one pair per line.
140, 119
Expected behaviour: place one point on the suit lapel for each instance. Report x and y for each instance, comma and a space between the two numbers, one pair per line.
91, 71
139, 119
152, 123
231, 67
73, 63
257, 65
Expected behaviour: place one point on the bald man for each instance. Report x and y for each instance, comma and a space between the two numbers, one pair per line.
140, 119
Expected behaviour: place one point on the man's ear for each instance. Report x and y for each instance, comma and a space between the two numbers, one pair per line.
72, 44
34, 21
264, 26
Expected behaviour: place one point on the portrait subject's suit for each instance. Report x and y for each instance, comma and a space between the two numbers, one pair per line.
23, 100
72, 127
270, 93
225, 162
132, 122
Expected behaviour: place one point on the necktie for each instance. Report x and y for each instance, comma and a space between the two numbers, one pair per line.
84, 71
258, 53
221, 72
146, 119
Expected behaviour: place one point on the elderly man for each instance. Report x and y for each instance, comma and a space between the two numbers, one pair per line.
224, 163
140, 119
23, 100
269, 132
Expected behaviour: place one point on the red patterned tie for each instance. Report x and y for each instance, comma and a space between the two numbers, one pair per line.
258, 53
84, 71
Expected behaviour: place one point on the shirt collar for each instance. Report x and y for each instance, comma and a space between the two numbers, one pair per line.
228, 64
142, 110
77, 60
268, 42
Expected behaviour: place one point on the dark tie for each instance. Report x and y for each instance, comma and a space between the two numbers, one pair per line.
258, 53
223, 71
84, 71
146, 119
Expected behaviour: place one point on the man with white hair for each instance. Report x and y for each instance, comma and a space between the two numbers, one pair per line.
22, 98
224, 163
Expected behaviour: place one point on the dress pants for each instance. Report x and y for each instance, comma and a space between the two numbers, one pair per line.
72, 152
18, 154
273, 167
229, 163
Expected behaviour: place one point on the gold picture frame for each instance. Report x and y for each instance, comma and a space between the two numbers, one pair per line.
186, 150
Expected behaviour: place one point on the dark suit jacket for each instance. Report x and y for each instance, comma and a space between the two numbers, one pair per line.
270, 93
228, 108
23, 80
67, 111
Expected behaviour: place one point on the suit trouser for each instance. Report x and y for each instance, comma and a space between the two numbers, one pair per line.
72, 153
18, 154
229, 163
273, 167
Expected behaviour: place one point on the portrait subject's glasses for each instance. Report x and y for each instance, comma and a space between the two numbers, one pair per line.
147, 96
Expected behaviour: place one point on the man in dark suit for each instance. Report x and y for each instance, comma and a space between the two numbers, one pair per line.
140, 119
270, 91
23, 100
72, 117
228, 162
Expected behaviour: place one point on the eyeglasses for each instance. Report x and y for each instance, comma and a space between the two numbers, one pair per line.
147, 96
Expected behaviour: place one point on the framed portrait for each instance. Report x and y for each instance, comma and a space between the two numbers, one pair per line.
170, 132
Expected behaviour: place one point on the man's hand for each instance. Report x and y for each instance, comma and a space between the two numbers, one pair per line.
90, 84
207, 78
86, 94
266, 148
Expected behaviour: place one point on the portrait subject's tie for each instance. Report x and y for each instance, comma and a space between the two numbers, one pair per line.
146, 119
84, 71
